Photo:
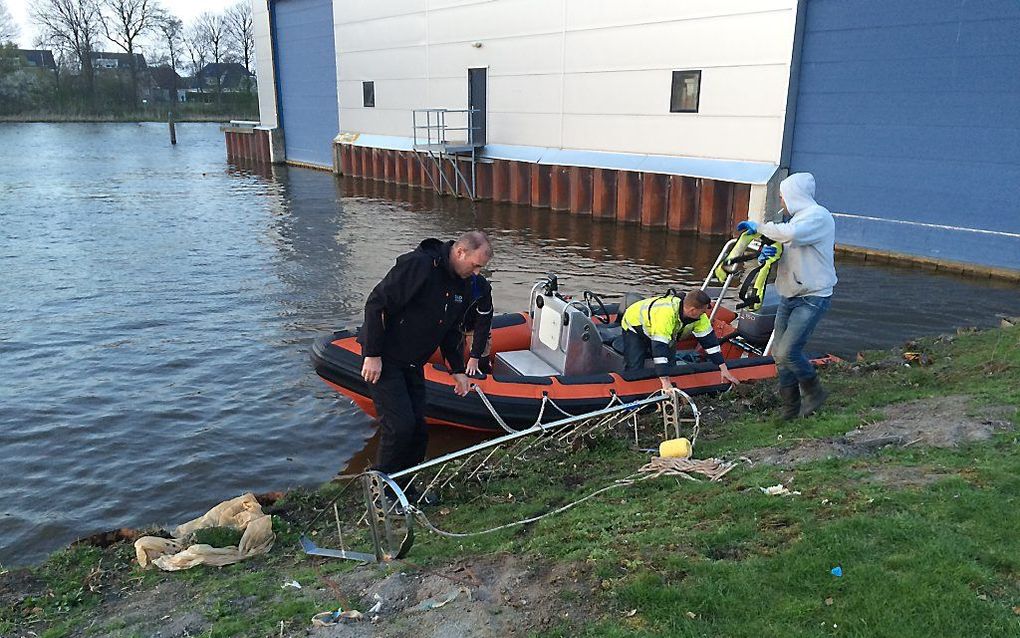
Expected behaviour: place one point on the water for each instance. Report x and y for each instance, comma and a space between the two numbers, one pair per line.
158, 307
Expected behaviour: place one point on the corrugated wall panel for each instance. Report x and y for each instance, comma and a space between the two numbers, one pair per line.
907, 113
306, 77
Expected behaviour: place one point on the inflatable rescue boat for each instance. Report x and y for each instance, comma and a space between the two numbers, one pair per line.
563, 357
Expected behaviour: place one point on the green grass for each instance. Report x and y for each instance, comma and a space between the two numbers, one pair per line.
939, 556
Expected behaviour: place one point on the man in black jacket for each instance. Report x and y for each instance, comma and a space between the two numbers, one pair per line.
418, 306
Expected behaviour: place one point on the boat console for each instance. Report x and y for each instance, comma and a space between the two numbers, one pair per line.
568, 337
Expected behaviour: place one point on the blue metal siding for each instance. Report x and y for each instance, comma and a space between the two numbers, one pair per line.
306, 78
909, 112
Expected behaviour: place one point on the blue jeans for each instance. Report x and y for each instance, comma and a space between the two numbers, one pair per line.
796, 319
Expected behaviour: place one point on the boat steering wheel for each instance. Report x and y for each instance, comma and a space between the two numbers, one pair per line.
602, 314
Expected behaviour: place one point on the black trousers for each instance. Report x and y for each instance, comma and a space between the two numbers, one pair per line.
636, 348
399, 398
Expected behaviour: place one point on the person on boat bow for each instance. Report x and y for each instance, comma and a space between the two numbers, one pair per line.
417, 307
805, 279
657, 323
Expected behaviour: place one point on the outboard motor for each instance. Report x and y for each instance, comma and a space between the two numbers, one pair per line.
756, 326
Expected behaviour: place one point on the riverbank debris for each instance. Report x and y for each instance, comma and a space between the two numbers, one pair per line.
438, 601
243, 514
329, 618
778, 490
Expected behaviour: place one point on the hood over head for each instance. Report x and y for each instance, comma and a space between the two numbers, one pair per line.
432, 246
798, 191
439, 251
436, 250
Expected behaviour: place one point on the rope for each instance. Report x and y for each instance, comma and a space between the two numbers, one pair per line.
624, 482
714, 469
492, 411
546, 400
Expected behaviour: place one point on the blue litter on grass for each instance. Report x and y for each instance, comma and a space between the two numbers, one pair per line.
837, 571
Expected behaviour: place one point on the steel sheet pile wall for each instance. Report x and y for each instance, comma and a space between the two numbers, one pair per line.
247, 145
683, 204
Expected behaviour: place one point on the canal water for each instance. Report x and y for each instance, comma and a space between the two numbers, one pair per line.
159, 305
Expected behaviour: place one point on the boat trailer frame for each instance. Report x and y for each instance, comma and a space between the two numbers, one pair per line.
389, 513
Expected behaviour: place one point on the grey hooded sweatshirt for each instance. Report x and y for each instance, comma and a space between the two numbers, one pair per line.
806, 267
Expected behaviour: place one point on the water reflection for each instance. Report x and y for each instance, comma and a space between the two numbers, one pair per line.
875, 306
159, 306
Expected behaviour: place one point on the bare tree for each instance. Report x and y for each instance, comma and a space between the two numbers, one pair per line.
239, 32
171, 32
126, 21
171, 35
197, 49
74, 26
8, 27
211, 34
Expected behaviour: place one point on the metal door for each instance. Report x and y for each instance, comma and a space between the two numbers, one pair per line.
477, 79
306, 79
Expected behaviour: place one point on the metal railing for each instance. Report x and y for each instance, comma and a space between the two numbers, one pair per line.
432, 131
432, 128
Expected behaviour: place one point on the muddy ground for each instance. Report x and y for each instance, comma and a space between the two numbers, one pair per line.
481, 597
493, 596
942, 422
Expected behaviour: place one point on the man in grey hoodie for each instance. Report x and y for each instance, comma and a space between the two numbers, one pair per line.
805, 278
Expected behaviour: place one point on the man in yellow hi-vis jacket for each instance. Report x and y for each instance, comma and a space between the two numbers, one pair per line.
657, 323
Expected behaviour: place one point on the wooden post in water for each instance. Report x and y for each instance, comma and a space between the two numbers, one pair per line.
173, 126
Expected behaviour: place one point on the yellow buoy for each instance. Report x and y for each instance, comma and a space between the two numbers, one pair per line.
675, 449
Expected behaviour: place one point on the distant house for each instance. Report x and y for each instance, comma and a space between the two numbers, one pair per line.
118, 65
233, 77
37, 58
116, 61
166, 81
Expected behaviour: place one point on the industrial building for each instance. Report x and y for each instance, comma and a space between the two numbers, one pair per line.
682, 115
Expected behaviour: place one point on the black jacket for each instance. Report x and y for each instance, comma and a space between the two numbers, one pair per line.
418, 306
478, 316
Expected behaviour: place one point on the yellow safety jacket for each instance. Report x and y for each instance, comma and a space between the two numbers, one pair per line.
660, 319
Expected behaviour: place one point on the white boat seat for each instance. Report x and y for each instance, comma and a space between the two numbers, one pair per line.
524, 363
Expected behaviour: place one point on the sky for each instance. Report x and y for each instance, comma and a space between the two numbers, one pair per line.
186, 10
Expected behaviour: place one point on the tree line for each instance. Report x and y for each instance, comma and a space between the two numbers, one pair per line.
74, 30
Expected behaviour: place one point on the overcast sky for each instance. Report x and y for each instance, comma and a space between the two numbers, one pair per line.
184, 9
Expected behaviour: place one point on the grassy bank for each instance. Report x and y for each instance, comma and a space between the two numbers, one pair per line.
908, 482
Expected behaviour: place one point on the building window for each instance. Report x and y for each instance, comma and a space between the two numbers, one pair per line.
368, 91
686, 92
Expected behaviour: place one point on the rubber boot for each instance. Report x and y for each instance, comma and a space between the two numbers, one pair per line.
790, 396
814, 396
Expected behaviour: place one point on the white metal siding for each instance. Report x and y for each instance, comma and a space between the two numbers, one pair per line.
264, 62
578, 74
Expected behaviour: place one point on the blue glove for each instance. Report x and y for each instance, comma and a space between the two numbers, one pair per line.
747, 226
767, 252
